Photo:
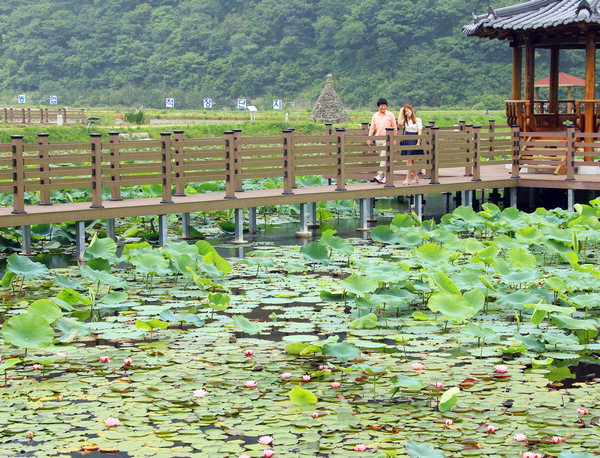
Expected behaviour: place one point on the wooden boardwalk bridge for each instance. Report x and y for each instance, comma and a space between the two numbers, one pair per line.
460, 158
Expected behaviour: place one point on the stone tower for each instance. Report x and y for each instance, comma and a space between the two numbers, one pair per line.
329, 107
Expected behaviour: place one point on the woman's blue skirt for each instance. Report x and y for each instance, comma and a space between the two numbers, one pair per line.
410, 142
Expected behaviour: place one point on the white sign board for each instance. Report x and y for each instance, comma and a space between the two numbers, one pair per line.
53, 100
208, 103
277, 104
170, 102
21, 98
241, 104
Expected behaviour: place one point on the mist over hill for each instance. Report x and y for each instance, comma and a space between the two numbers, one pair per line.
137, 53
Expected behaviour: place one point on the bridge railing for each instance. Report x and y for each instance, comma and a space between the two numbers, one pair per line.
42, 115
30, 171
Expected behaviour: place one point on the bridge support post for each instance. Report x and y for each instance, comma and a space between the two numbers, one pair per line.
252, 220
419, 205
239, 227
463, 198
371, 216
312, 215
570, 199
110, 229
513, 197
26, 240
364, 207
162, 230
185, 226
79, 240
303, 232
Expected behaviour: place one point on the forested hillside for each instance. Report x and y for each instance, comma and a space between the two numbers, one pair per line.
134, 53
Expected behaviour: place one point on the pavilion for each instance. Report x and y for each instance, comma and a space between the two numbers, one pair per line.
551, 25
564, 80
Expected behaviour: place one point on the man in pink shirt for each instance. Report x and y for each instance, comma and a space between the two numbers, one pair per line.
379, 122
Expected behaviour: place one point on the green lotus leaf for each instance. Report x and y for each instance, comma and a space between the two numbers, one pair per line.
215, 259
130, 249
449, 399
452, 306
191, 318
442, 281
155, 323
64, 282
181, 262
556, 284
529, 235
369, 321
568, 454
302, 397
301, 348
115, 297
358, 284
25, 268
218, 301
343, 351
72, 297
404, 381
384, 234
337, 243
479, 332
587, 301
315, 252
402, 220
7, 278
150, 263
551, 308
519, 277
28, 330
102, 277
67, 326
432, 253
521, 257
566, 322
415, 450
105, 248
178, 248
8, 363
46, 309
204, 247
99, 264
247, 326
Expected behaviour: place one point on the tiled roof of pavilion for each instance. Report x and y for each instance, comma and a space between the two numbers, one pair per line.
533, 15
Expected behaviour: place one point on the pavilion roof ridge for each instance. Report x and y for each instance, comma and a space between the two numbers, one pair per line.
534, 14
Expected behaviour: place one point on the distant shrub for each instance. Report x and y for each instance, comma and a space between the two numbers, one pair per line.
135, 117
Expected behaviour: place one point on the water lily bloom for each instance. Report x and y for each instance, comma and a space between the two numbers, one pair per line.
268, 453
360, 448
531, 455
127, 362
335, 384
265, 440
557, 440
448, 422
582, 411
315, 414
438, 385
286, 375
111, 421
501, 369
490, 429
251, 384
104, 359
60, 354
417, 366
36, 367
323, 368
520, 437
249, 352
306, 377
199, 393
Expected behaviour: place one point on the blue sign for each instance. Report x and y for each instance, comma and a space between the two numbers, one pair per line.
241, 104
208, 103
170, 102
53, 100
277, 104
21, 98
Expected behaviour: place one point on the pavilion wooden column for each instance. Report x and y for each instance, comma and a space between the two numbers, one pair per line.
529, 81
590, 80
517, 69
553, 90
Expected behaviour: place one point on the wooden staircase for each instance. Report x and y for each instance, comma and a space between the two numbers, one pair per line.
545, 153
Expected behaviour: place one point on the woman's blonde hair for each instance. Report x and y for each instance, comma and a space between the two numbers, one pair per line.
402, 116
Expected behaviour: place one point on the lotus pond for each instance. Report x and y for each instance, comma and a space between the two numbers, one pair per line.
473, 336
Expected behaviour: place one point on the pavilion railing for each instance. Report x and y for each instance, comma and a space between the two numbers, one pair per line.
31, 171
42, 115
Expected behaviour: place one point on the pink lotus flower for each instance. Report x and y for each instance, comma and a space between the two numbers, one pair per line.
251, 384
323, 368
360, 448
60, 354
417, 367
249, 352
520, 437
306, 378
199, 393
531, 455
557, 440
501, 369
127, 362
104, 359
268, 453
335, 384
438, 385
36, 367
448, 422
265, 440
112, 421
490, 429
315, 414
582, 411
286, 375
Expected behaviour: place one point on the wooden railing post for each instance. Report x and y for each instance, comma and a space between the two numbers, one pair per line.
328, 128
288, 161
365, 126
433, 131
476, 153
167, 168
18, 174
341, 159
230, 167
516, 151
179, 162
64, 110
390, 157
45, 180
96, 170
468, 129
237, 155
115, 166
491, 130
462, 125
570, 157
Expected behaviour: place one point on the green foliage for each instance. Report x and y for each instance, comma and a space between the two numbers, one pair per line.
135, 117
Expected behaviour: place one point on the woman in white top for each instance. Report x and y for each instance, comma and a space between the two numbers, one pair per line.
412, 126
